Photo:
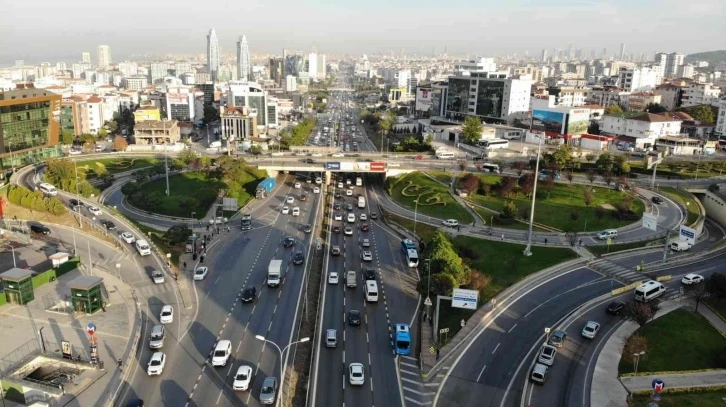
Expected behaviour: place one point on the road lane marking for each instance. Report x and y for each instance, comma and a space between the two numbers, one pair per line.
495, 349
481, 373
511, 329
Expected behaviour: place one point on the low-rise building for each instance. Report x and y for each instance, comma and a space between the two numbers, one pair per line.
700, 94
238, 123
642, 129
637, 102
157, 132
679, 144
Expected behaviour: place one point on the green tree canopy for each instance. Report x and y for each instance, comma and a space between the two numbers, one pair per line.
701, 113
655, 108
472, 129
67, 137
605, 162
613, 109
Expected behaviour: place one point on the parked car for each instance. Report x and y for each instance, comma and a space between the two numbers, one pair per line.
558, 338
40, 229
547, 355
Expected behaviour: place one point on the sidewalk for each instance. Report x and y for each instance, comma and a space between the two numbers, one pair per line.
609, 390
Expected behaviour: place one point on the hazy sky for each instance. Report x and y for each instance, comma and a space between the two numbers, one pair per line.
52, 30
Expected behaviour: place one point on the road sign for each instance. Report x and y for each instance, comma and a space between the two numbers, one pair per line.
378, 166
229, 204
432, 349
650, 221
427, 302
547, 330
91, 328
444, 330
467, 299
658, 385
332, 165
610, 241
688, 234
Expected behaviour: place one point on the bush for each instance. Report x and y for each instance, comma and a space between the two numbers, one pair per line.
509, 210
34, 200
177, 234
574, 215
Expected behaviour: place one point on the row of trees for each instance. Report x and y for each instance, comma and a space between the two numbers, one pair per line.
62, 173
701, 113
298, 135
448, 270
34, 200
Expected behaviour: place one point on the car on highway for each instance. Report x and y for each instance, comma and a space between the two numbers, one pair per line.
290, 200
356, 377
249, 294
298, 258
156, 364
338, 195
340, 184
591, 329
333, 277
268, 392
452, 223
167, 314
296, 211
336, 229
242, 378
40, 229
127, 237
365, 243
95, 210
108, 225
557, 338
351, 218
547, 355
289, 241
303, 197
365, 227
691, 278
221, 353
316, 190
157, 276
335, 250
285, 210
338, 155
349, 207
348, 231
337, 207
615, 307
338, 216
348, 192
369, 274
363, 217
657, 200
354, 317
374, 215
200, 273
367, 256
298, 185
75, 203
307, 229
539, 373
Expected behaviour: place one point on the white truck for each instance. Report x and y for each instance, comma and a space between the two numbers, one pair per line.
361, 202
680, 246
351, 279
274, 273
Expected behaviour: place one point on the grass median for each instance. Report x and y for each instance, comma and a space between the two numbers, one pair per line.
111, 166
686, 200
433, 198
603, 249
696, 399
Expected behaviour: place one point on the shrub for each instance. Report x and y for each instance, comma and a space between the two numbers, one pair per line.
177, 234
509, 210
574, 215
34, 200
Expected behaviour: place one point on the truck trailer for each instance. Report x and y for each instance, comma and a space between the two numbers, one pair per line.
264, 188
274, 273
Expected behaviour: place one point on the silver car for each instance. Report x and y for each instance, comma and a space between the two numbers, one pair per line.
268, 392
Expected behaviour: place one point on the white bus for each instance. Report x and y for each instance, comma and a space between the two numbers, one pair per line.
445, 155
493, 144
361, 202
48, 189
412, 257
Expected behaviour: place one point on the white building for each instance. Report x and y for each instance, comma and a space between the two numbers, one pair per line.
673, 61
700, 94
252, 96
128, 68
489, 95
476, 65
86, 57
137, 82
686, 71
104, 56
639, 79
641, 128
290, 83
244, 62
721, 119
180, 103
182, 67
157, 72
95, 114
237, 123
213, 54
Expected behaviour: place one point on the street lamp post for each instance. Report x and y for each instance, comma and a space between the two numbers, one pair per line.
191, 222
637, 356
415, 216
282, 367
528, 249
13, 250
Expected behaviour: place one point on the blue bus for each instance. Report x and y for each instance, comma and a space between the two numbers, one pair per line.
407, 244
403, 339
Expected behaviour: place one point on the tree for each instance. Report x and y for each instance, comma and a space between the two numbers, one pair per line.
549, 183
509, 210
526, 183
119, 143
594, 128
210, 114
655, 108
572, 238
187, 156
591, 176
177, 234
599, 212
386, 122
255, 149
506, 186
587, 195
472, 129
102, 133
469, 182
634, 344
638, 312
589, 157
701, 113
613, 109
620, 164
607, 176
716, 284
519, 166
569, 176
698, 292
130, 188
67, 137
605, 162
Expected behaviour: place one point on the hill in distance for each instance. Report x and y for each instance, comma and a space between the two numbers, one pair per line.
713, 57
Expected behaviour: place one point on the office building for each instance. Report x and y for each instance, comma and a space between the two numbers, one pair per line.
29, 126
136, 82
544, 55
251, 95
293, 62
104, 56
157, 132
182, 67
180, 103
290, 83
244, 62
157, 72
673, 61
213, 54
488, 95
622, 51
237, 123
275, 70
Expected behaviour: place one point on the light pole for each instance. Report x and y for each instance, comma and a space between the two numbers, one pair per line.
637, 356
191, 222
282, 368
13, 250
166, 164
528, 249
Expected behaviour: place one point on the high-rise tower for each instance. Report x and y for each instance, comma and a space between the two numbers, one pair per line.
213, 54
244, 63
622, 51
104, 56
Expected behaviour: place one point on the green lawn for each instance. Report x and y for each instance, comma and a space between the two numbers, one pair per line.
701, 399
684, 199
556, 208
679, 340
115, 165
603, 249
505, 263
423, 231
684, 169
189, 192
450, 317
443, 176
719, 305
434, 198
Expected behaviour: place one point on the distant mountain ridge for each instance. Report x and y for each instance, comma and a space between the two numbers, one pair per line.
713, 57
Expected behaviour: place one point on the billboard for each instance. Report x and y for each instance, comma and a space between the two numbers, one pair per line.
378, 166
332, 166
578, 120
688, 234
465, 298
424, 99
361, 166
545, 120
346, 166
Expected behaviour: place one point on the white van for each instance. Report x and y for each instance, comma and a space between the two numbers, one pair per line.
371, 290
607, 234
221, 353
48, 189
142, 246
215, 144
649, 290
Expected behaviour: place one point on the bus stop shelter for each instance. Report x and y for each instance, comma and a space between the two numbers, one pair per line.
18, 285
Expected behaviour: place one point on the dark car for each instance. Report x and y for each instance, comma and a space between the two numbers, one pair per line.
336, 229
369, 274
364, 227
249, 294
303, 197
309, 161
337, 207
338, 196
299, 258
349, 207
657, 200
40, 229
289, 241
76, 203
374, 215
354, 317
308, 229
615, 307
108, 225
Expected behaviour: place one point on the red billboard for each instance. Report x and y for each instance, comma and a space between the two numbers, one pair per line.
378, 166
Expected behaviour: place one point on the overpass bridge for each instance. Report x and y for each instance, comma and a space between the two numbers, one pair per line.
329, 167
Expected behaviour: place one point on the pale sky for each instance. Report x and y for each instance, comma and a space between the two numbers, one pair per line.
52, 30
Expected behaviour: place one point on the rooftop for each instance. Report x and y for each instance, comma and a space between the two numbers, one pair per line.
16, 274
85, 282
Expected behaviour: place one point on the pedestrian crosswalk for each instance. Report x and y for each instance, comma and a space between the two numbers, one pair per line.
416, 392
617, 272
153, 290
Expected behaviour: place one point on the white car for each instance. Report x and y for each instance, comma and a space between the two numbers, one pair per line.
127, 237
340, 184
333, 277
285, 210
348, 192
94, 210
348, 231
156, 364
691, 278
547, 355
298, 185
356, 376
242, 378
278, 154
75, 152
167, 314
590, 329
157, 276
317, 155
338, 216
337, 155
316, 190
452, 223
290, 200
367, 256
200, 273
366, 243
394, 164
296, 211
351, 218
363, 217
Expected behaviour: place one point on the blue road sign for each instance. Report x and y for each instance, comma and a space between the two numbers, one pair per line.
332, 165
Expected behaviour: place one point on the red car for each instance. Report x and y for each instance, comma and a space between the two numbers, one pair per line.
364, 227
418, 157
